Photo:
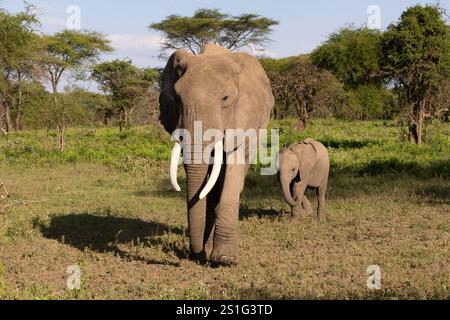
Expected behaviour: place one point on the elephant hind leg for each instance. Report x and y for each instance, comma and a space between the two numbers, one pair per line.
321, 195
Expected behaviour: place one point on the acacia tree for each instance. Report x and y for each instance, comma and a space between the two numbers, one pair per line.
25, 72
73, 53
126, 85
212, 26
17, 44
416, 56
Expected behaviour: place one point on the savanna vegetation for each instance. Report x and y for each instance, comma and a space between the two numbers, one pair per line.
84, 181
105, 204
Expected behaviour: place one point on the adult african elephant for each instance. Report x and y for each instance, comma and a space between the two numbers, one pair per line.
223, 90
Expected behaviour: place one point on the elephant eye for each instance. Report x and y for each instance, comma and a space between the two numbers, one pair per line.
224, 99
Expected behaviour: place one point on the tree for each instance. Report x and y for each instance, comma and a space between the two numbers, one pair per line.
26, 71
416, 56
35, 99
305, 87
69, 111
352, 55
212, 26
17, 53
126, 85
72, 52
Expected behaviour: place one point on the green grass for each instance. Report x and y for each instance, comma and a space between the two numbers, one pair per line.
105, 205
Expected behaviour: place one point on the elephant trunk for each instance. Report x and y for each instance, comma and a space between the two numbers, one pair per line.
196, 176
285, 184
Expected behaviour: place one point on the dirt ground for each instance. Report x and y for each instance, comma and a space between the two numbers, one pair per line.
126, 232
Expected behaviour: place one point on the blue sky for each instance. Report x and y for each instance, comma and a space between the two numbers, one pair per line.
303, 24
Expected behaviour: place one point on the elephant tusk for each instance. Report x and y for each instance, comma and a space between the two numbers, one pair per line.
174, 161
215, 173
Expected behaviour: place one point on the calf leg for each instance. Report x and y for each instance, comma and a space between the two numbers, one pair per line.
321, 195
307, 205
298, 212
303, 206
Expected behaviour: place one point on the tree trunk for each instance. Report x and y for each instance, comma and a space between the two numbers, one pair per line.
7, 115
2, 115
19, 103
126, 120
130, 118
412, 132
416, 128
121, 121
55, 87
62, 142
420, 123
287, 103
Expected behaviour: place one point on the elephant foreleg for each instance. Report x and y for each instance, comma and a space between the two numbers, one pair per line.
226, 233
298, 212
300, 189
307, 205
321, 195
302, 209
304, 206
211, 213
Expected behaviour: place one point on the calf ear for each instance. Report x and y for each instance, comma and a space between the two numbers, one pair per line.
307, 155
169, 102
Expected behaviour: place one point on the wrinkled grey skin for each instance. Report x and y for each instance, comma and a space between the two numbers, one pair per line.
304, 165
224, 90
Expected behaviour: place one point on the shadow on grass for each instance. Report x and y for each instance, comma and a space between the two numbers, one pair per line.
163, 190
348, 144
246, 212
429, 182
105, 234
391, 166
384, 294
436, 194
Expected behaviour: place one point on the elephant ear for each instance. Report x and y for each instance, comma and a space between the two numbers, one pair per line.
306, 154
169, 103
256, 100
315, 144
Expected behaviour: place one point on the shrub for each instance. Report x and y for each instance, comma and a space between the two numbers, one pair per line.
368, 102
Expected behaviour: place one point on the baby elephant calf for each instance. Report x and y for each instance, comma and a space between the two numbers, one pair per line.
304, 165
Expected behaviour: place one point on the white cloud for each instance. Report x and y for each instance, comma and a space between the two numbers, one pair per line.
52, 22
259, 52
135, 43
49, 21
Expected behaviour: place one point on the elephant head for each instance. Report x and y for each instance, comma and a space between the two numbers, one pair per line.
294, 160
220, 90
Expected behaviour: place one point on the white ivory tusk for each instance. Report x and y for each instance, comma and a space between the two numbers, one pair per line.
174, 161
215, 173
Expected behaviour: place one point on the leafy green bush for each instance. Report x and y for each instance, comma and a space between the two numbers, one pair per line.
356, 148
368, 102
